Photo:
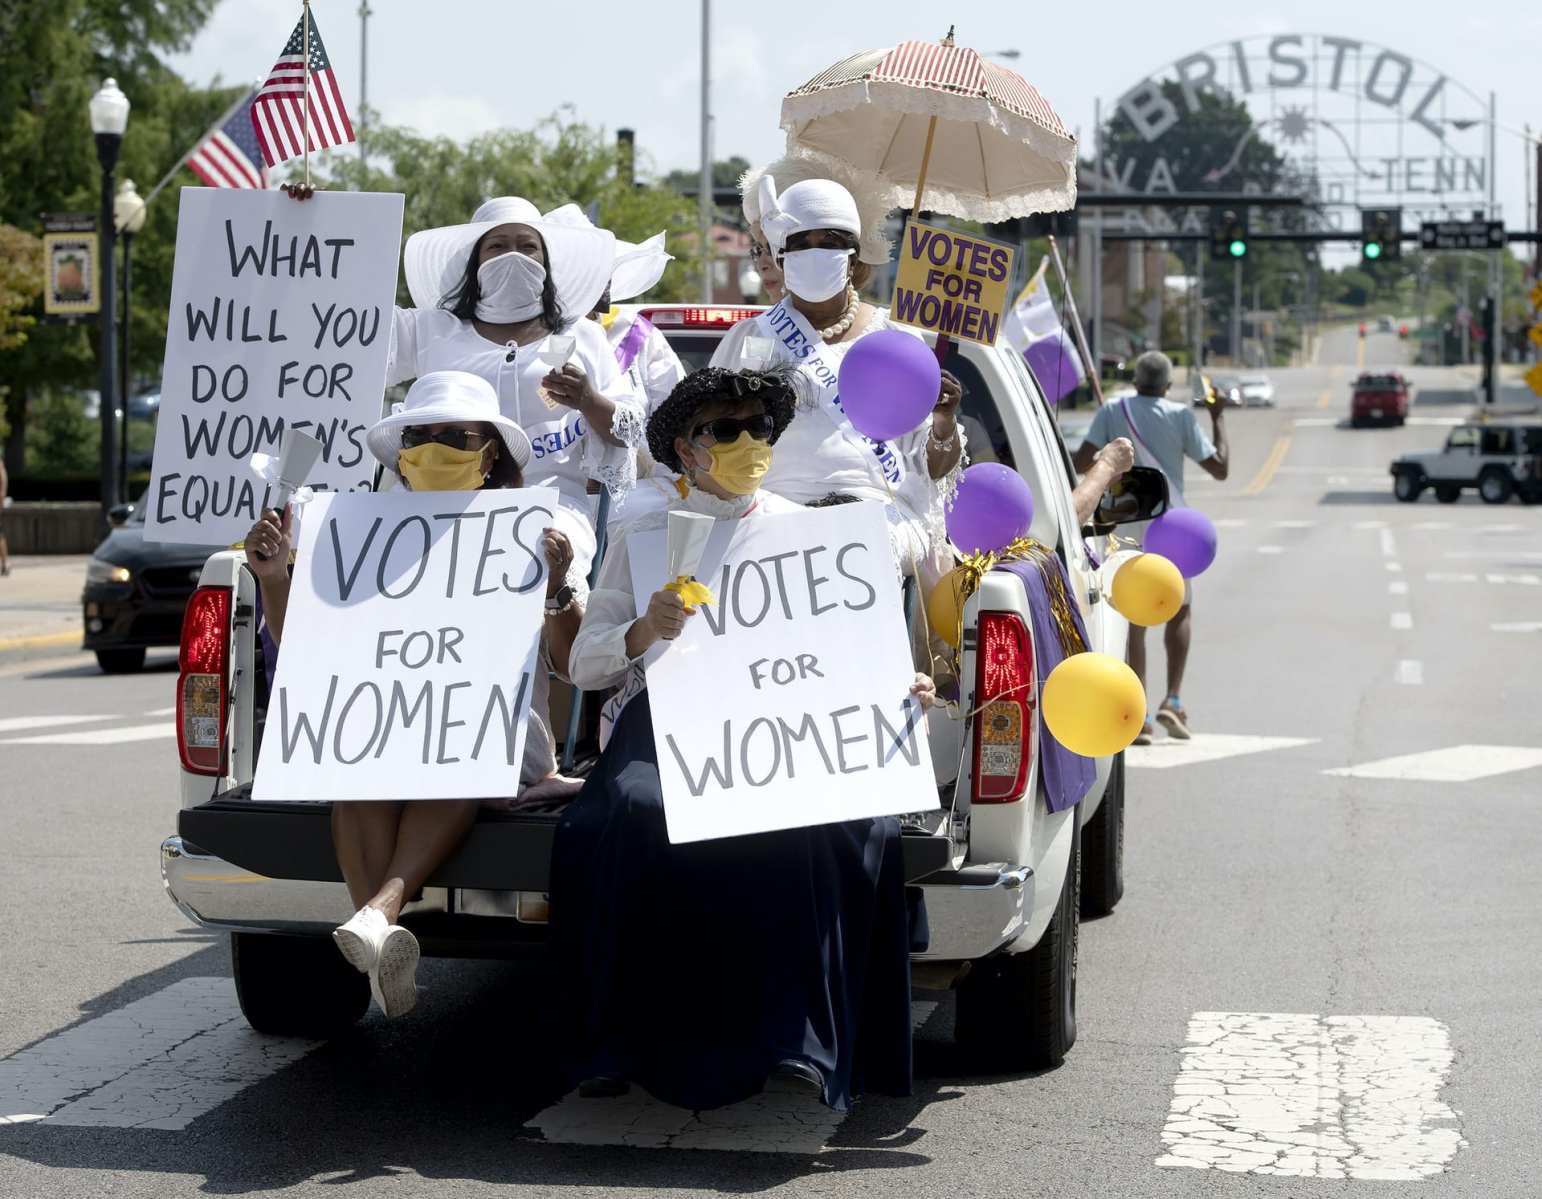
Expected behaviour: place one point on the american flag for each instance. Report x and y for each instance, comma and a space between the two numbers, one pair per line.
278, 112
229, 156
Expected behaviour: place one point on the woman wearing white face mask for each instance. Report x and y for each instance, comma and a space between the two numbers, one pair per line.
503, 297
815, 231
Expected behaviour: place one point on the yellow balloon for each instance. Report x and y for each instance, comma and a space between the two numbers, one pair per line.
1094, 704
1147, 590
945, 605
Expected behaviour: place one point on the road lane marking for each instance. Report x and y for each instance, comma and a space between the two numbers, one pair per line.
1388, 544
1394, 567
1401, 620
1410, 672
1230, 524
171, 711
159, 1062
1431, 526
1370, 524
1397, 587
1271, 464
1455, 764
1525, 580
1165, 753
1449, 576
1311, 1096
1271, 549
18, 724
1519, 626
1326, 398
138, 732
1292, 524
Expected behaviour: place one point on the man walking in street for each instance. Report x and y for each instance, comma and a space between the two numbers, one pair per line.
1165, 433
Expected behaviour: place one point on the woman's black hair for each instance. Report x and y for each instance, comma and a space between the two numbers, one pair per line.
462, 302
505, 471
714, 385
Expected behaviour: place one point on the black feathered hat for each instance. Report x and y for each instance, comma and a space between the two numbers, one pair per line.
714, 385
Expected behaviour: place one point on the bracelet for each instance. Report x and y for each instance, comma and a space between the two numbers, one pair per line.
933, 443
565, 598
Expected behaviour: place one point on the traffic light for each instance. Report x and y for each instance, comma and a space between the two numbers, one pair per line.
1381, 234
1228, 233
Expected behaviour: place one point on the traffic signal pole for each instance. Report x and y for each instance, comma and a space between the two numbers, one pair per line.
1236, 313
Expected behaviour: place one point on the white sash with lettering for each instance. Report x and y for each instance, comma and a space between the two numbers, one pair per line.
790, 329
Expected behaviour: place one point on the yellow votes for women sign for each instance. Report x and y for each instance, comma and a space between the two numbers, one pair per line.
951, 283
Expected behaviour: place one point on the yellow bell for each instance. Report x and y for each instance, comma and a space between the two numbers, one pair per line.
1094, 704
945, 605
1147, 590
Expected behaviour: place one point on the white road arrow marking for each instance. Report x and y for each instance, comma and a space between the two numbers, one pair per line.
1456, 764
139, 732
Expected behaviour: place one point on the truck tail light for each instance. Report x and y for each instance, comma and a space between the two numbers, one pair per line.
203, 665
1005, 690
706, 316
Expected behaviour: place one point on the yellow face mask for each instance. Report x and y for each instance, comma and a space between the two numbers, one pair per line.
435, 467
739, 465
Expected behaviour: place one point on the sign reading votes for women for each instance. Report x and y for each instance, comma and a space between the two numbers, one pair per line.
409, 647
280, 316
786, 702
951, 283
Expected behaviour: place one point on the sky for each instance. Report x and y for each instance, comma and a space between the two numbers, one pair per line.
458, 67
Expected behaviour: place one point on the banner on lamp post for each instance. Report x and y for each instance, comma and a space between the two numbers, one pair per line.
71, 289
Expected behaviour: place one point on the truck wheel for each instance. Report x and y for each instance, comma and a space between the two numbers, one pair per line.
1408, 485
296, 986
1447, 493
1103, 849
1495, 486
120, 661
1018, 1011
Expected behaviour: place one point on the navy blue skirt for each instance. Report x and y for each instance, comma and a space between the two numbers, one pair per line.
693, 970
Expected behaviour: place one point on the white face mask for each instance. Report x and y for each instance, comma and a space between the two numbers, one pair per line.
510, 287
815, 275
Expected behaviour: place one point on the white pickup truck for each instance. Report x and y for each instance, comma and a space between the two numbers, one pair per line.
1005, 880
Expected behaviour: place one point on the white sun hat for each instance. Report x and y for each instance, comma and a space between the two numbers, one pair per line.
639, 267
439, 397
872, 208
579, 256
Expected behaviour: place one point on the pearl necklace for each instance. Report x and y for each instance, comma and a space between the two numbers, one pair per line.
848, 318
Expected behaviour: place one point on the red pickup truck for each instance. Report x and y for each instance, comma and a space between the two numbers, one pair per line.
1382, 397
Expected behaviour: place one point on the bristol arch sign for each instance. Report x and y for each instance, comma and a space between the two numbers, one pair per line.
1356, 124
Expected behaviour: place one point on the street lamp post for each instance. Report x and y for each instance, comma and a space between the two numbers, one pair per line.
109, 118
128, 219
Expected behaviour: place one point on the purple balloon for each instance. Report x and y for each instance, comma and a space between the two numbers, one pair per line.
1185, 537
994, 507
889, 384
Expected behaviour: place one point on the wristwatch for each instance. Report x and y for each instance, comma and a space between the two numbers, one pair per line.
561, 602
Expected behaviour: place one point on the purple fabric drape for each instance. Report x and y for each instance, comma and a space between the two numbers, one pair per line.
1067, 777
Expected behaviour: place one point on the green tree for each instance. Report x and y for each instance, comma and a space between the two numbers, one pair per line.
52, 57
562, 160
725, 173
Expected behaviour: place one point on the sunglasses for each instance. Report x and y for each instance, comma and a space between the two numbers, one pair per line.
455, 439
727, 428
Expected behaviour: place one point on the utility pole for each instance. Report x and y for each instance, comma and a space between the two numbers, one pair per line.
705, 199
1198, 315
1236, 313
365, 12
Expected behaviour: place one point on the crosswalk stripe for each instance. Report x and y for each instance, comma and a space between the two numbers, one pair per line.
1397, 587
1310, 1096
1410, 672
1454, 764
140, 732
159, 1062
1400, 620
1204, 747
17, 724
1518, 626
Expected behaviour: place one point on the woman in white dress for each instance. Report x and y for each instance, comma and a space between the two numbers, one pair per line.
500, 297
814, 230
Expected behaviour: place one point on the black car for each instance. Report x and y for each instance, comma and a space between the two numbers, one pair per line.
136, 591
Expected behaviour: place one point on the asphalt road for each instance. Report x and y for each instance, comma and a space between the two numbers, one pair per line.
1364, 946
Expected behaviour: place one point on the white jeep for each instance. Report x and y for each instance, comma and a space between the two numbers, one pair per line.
1005, 879
1499, 458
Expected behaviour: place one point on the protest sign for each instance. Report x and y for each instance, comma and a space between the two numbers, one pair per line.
951, 283
785, 703
408, 661
280, 315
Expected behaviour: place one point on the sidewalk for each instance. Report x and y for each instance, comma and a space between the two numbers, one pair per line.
40, 604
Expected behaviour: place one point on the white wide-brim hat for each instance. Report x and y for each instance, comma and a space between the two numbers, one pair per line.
439, 397
579, 256
639, 267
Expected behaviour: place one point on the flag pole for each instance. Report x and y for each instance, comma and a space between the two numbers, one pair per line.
219, 123
305, 77
1080, 336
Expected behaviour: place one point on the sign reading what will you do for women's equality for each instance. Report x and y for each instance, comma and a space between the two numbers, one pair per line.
280, 316
951, 283
409, 647
786, 702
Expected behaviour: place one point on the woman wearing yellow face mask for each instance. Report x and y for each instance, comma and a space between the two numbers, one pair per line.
448, 436
786, 954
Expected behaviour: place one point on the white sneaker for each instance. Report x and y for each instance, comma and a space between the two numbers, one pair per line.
394, 979
359, 939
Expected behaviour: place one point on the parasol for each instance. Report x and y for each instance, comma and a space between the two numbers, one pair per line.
976, 137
